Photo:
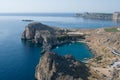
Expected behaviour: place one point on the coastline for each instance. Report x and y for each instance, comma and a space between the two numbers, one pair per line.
96, 40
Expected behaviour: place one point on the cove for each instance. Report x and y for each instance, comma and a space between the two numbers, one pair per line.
78, 50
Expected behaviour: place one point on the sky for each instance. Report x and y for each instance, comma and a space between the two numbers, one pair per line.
59, 6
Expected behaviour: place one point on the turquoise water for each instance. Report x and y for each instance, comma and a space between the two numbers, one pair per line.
79, 51
18, 59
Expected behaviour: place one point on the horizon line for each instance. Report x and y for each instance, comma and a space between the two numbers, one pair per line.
51, 12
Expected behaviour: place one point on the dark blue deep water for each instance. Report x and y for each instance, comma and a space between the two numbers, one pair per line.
18, 59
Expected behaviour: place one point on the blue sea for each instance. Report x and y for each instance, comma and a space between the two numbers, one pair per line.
18, 59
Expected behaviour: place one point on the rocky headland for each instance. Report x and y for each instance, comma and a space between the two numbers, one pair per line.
104, 43
48, 36
55, 67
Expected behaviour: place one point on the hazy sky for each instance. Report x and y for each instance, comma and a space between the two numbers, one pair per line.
16, 6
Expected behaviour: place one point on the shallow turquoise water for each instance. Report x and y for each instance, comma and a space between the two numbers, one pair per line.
80, 51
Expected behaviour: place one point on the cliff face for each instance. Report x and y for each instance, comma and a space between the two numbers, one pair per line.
38, 32
55, 67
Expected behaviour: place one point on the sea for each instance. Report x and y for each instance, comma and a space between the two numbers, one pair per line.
18, 59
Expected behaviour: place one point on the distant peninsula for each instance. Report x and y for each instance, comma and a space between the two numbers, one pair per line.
103, 16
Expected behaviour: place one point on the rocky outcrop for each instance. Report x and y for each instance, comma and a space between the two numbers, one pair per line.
37, 32
55, 67
47, 36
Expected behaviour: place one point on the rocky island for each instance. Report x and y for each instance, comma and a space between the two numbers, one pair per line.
104, 43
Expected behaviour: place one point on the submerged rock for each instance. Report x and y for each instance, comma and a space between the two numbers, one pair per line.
55, 67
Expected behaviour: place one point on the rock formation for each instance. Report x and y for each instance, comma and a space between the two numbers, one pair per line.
55, 67
47, 36
37, 32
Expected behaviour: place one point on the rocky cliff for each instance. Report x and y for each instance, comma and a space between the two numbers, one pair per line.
38, 32
55, 67
48, 36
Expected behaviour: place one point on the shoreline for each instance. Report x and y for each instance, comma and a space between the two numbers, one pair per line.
85, 60
95, 40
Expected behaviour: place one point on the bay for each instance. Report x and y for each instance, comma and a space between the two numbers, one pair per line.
18, 59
